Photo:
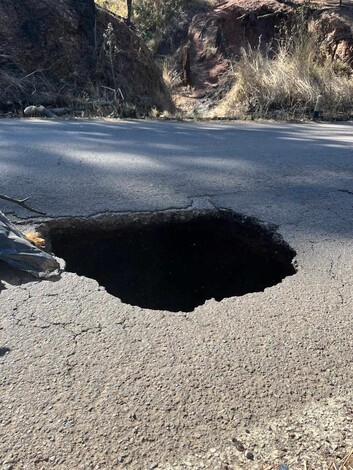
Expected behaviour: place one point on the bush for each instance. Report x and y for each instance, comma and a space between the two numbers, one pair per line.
154, 16
162, 24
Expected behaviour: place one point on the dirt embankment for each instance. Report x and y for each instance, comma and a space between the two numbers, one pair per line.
216, 38
75, 54
70, 52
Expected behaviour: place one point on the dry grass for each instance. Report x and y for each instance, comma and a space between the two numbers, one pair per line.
170, 74
286, 83
20, 88
345, 464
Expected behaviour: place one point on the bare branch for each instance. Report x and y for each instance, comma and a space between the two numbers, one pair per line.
21, 202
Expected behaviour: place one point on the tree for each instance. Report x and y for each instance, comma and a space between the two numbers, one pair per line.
129, 11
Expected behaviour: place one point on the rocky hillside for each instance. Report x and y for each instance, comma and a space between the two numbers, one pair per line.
72, 53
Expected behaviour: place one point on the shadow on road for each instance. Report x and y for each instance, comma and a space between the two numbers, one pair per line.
88, 167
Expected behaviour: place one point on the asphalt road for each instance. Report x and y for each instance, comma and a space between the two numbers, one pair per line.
89, 382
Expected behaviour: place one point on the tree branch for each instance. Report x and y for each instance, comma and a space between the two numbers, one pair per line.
21, 202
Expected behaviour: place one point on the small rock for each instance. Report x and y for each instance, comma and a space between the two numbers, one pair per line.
238, 445
249, 455
225, 466
283, 467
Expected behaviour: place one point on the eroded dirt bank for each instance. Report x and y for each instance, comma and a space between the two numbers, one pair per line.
75, 54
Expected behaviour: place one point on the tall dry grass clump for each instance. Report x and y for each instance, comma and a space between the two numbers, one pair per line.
285, 80
170, 73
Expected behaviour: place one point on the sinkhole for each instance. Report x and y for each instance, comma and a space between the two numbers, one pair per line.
173, 261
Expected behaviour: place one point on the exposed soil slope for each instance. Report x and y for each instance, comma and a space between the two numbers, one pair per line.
216, 38
58, 51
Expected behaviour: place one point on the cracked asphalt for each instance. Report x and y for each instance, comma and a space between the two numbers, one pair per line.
250, 382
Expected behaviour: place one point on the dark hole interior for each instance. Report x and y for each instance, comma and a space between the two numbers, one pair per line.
175, 261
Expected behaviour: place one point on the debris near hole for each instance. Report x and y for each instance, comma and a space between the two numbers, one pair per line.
19, 252
35, 239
